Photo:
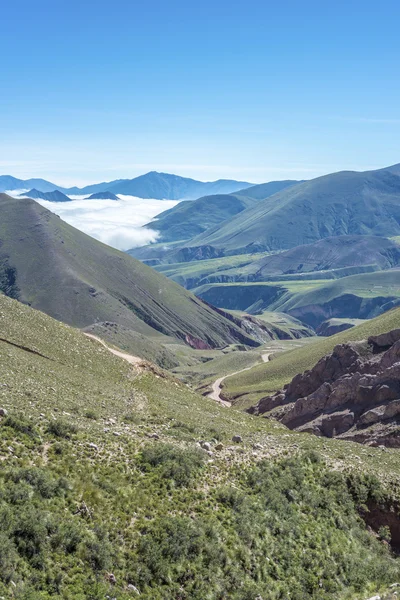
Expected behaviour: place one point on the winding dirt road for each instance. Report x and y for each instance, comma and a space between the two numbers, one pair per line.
217, 388
133, 360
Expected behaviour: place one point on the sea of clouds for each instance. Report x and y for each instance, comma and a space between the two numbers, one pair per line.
116, 223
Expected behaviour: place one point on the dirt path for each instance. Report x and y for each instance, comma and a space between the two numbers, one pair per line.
133, 360
217, 388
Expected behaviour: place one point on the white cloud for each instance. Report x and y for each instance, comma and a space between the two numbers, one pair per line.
118, 224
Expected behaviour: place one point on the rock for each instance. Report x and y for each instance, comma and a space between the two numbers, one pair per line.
237, 439
116, 433
375, 598
219, 447
345, 393
3, 412
112, 421
206, 446
153, 436
257, 447
133, 588
94, 446
210, 453
111, 578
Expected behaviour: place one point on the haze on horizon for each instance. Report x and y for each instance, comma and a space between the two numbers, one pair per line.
253, 91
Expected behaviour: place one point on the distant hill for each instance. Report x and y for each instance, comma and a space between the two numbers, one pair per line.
345, 203
9, 183
103, 196
328, 254
55, 196
188, 219
46, 263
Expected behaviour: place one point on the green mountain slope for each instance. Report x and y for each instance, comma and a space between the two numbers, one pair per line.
357, 296
328, 254
188, 219
104, 491
52, 266
345, 203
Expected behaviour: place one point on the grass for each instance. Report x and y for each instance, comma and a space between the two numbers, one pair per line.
245, 389
130, 493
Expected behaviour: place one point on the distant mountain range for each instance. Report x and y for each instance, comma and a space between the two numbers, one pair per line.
55, 196
161, 186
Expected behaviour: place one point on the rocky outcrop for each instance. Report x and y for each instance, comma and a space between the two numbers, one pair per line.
353, 393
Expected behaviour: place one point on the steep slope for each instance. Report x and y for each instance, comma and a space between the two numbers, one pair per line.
76, 279
345, 203
104, 491
55, 196
188, 219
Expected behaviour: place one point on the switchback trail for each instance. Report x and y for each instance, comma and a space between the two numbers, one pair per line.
133, 360
216, 387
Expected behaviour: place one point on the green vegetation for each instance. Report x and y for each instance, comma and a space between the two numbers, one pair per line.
247, 388
103, 486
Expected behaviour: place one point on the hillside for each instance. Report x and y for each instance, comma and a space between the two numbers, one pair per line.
357, 297
105, 489
329, 254
188, 219
264, 190
55, 196
51, 266
247, 388
345, 203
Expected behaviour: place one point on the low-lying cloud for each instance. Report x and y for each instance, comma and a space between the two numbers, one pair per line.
116, 223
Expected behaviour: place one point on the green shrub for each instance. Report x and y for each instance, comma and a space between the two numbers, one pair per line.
173, 464
61, 428
21, 424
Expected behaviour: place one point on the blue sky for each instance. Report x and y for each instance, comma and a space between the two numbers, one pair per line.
254, 90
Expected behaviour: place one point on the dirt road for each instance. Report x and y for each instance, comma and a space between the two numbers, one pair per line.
217, 388
133, 360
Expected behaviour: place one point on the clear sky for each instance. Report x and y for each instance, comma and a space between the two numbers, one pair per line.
253, 90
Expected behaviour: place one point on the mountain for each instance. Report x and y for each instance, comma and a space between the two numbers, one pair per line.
9, 183
104, 491
103, 196
163, 186
188, 219
51, 266
345, 203
55, 196
264, 190
329, 254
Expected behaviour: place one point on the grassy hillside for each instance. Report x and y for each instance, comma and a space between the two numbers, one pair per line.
326, 255
50, 265
345, 203
188, 219
104, 491
245, 389
357, 296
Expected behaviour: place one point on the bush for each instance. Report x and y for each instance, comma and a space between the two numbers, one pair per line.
61, 428
21, 424
174, 464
